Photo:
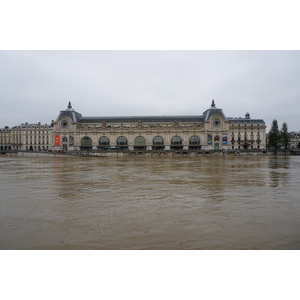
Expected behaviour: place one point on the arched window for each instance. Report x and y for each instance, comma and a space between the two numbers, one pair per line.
86, 141
158, 141
216, 139
122, 141
104, 141
176, 141
140, 141
194, 140
65, 140
194, 143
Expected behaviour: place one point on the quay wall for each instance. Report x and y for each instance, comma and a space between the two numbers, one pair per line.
105, 153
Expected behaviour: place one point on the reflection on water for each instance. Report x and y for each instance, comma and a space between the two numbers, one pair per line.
207, 202
279, 172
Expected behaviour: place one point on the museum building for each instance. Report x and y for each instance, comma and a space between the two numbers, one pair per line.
71, 131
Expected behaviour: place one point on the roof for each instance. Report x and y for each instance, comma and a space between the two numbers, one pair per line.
73, 115
213, 110
69, 112
244, 120
26, 125
144, 119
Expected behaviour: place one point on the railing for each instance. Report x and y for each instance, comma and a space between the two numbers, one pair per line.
8, 151
159, 152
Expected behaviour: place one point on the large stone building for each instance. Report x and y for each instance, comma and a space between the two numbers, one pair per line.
72, 131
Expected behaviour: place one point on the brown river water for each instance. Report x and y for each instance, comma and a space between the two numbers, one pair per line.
144, 202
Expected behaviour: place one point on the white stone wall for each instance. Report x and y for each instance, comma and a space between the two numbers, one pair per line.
36, 136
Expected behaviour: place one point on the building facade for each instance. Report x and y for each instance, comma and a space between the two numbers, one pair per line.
295, 140
71, 131
27, 137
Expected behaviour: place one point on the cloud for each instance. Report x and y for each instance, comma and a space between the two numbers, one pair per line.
36, 85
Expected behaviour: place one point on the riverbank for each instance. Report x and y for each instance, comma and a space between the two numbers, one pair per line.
104, 153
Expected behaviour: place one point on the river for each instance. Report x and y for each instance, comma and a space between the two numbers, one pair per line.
144, 202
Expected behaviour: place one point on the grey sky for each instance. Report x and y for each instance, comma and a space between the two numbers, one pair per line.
36, 85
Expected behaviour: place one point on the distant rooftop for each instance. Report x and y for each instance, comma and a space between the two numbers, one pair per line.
26, 125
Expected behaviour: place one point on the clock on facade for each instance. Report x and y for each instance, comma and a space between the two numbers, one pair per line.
217, 122
64, 123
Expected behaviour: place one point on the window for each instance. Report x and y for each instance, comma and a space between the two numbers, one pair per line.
86, 141
104, 141
194, 143
176, 141
140, 141
158, 141
194, 140
122, 141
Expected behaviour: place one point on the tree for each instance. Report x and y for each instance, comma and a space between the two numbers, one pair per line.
285, 136
274, 135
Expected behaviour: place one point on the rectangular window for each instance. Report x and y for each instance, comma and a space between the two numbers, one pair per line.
209, 139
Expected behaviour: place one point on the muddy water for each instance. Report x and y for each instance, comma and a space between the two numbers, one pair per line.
207, 202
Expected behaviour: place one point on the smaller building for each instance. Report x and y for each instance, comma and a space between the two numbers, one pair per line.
27, 137
295, 139
5, 138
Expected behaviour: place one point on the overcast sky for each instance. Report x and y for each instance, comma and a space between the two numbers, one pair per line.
36, 85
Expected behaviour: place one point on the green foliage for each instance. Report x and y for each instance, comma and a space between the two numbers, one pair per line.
285, 136
278, 138
274, 135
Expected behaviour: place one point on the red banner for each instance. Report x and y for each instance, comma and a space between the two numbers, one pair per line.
56, 140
